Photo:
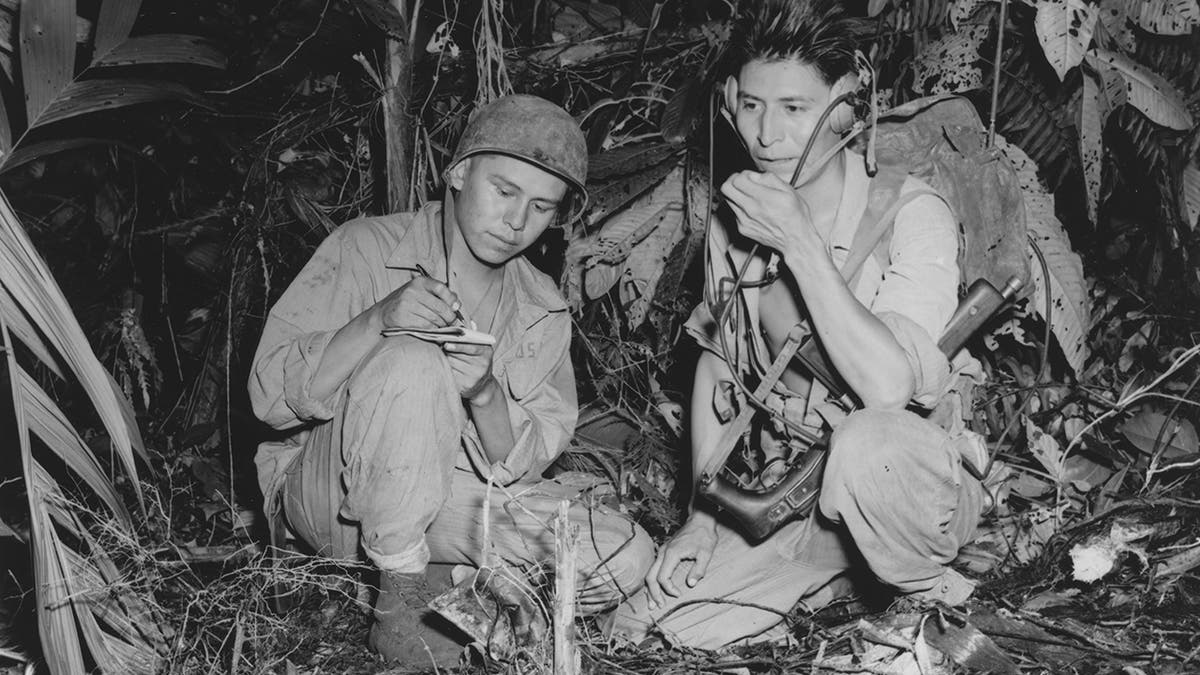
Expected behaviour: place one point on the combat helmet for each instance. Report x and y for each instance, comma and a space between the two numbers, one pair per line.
532, 129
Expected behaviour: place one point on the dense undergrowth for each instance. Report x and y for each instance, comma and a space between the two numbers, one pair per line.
172, 244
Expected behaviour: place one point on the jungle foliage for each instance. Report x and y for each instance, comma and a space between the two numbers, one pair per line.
175, 164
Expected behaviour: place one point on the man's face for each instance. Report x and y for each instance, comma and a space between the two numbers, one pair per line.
779, 103
504, 204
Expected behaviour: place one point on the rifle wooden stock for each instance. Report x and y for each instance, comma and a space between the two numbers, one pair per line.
761, 514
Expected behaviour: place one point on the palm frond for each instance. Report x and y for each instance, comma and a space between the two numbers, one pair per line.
78, 588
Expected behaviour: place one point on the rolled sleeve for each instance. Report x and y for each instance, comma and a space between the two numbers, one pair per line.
931, 370
919, 291
544, 405
295, 361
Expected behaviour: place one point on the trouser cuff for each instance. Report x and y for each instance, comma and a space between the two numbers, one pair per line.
413, 560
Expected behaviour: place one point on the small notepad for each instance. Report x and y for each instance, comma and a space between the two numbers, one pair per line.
447, 334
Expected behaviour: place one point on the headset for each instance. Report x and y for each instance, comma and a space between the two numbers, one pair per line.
843, 116
853, 108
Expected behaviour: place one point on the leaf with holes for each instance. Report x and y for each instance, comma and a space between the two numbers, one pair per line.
629, 159
1191, 193
1103, 91
1167, 17
1064, 27
950, 65
1070, 318
961, 11
1114, 16
604, 262
1148, 92
610, 198
645, 264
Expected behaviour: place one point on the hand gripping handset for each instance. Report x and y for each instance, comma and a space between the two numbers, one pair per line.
760, 514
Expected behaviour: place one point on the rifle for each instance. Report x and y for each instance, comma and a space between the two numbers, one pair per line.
761, 514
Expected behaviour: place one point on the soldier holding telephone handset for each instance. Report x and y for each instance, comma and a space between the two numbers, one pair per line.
897, 497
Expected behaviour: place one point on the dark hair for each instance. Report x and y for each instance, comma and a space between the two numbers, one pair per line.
820, 33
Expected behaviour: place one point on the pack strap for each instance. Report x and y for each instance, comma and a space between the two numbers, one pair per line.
867, 238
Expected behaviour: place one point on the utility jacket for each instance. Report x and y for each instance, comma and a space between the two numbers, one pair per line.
361, 263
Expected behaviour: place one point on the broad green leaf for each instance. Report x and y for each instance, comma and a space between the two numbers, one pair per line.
1071, 316
1150, 431
1191, 193
47, 36
29, 152
1113, 93
89, 96
164, 48
1148, 92
1114, 16
1064, 28
950, 64
113, 25
1168, 17
874, 7
1085, 474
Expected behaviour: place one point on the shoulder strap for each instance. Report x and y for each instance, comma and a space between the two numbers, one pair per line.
874, 231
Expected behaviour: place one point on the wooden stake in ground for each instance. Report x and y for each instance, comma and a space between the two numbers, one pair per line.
566, 654
397, 118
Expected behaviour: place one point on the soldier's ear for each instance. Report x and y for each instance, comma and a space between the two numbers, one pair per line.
457, 175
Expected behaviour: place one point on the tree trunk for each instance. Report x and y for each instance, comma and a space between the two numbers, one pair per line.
397, 118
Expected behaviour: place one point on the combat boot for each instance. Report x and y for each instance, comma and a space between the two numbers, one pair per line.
406, 631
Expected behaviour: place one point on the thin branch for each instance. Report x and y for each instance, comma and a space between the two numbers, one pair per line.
281, 64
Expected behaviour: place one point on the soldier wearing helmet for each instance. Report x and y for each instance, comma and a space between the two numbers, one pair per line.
393, 431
